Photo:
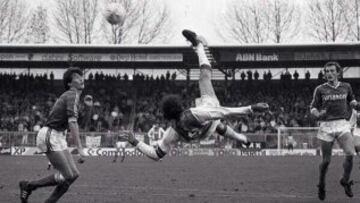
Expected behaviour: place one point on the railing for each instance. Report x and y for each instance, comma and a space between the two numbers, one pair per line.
304, 137
15, 138
108, 139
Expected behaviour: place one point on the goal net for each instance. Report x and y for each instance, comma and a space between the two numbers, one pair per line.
297, 138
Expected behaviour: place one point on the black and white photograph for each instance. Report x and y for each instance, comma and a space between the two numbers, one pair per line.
176, 101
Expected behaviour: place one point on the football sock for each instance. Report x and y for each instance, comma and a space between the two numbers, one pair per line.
348, 164
44, 182
203, 60
59, 191
323, 169
232, 134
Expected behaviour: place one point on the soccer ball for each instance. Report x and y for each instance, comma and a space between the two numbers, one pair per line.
114, 13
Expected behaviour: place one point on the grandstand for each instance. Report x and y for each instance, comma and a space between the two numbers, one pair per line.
125, 101
26, 99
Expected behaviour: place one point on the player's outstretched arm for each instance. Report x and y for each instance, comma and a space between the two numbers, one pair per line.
154, 152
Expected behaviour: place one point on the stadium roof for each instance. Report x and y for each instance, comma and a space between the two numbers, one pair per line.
175, 57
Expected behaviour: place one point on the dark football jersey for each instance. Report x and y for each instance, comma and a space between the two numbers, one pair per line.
66, 107
189, 128
335, 100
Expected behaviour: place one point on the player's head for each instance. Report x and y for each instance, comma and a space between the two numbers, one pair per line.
73, 77
332, 70
172, 107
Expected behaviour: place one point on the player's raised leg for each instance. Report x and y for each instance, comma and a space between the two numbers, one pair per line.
62, 179
68, 173
205, 85
208, 96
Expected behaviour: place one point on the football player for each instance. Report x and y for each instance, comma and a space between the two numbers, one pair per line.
51, 140
198, 122
330, 105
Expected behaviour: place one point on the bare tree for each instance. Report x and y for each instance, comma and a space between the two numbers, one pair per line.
327, 21
75, 20
4, 6
244, 22
145, 21
283, 18
259, 21
353, 19
154, 22
38, 28
13, 20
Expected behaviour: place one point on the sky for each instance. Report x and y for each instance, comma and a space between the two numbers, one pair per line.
197, 15
200, 16
187, 14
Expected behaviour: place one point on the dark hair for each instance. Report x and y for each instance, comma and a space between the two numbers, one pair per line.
171, 107
333, 63
67, 77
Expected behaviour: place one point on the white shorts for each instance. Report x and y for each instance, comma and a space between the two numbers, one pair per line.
331, 130
207, 101
51, 140
356, 132
356, 136
120, 144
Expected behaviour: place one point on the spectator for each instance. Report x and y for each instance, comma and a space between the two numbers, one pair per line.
307, 75
256, 75
269, 75
249, 75
321, 76
121, 105
242, 75
296, 75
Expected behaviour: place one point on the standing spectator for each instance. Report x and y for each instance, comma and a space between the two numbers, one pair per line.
321, 76
242, 75
265, 76
296, 75
256, 75
269, 75
173, 76
249, 74
307, 75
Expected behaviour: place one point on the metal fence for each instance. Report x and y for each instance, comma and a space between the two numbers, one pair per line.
14, 138
108, 139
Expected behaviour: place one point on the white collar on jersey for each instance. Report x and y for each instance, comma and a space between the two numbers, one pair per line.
336, 86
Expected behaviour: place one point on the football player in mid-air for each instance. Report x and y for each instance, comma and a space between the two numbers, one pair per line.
51, 140
330, 105
199, 122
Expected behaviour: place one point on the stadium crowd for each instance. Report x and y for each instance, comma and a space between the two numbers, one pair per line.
120, 103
